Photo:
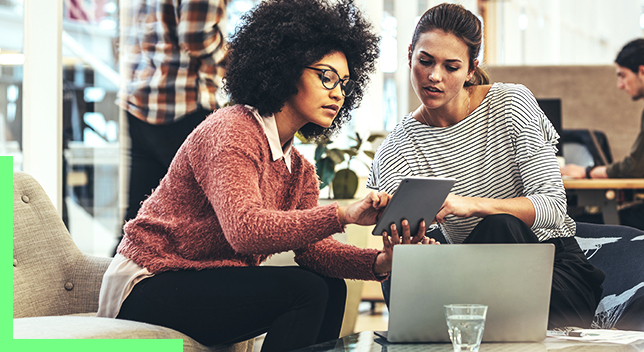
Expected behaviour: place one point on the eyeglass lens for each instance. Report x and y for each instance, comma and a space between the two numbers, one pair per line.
330, 80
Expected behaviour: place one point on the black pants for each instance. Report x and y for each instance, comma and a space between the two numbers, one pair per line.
152, 148
576, 284
294, 306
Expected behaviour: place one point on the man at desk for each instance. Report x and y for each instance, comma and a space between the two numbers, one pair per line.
630, 78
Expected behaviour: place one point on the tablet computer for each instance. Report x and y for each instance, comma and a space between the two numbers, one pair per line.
417, 198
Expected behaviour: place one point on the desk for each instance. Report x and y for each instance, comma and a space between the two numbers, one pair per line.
603, 193
367, 341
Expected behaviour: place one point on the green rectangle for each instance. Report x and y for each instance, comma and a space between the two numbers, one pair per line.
6, 294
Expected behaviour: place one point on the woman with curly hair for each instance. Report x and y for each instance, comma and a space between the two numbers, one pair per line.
237, 191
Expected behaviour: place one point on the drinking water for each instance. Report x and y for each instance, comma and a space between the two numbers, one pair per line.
466, 331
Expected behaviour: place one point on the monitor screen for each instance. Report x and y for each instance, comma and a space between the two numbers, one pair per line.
552, 109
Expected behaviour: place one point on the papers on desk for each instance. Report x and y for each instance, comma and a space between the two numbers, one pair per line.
622, 337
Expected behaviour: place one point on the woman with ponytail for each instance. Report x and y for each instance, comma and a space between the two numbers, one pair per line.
498, 144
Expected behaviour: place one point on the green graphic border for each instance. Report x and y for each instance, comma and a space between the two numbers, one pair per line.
6, 294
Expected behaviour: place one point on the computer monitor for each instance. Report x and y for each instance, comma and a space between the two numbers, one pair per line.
552, 108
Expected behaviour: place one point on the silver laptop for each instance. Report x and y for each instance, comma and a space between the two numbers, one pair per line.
514, 280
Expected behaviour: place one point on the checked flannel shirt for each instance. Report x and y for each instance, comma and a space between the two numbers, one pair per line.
174, 58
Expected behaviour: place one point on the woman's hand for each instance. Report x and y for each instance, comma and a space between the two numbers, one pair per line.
382, 266
366, 211
463, 207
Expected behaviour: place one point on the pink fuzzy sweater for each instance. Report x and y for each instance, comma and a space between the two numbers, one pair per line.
225, 202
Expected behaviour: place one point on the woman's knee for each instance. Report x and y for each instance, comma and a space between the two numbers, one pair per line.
336, 287
306, 285
501, 228
500, 220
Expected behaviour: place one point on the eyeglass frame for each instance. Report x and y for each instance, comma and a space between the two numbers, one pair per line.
340, 81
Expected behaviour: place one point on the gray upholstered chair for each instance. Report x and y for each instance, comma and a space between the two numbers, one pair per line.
56, 286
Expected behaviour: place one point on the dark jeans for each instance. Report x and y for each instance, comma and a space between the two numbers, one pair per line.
576, 284
294, 306
152, 148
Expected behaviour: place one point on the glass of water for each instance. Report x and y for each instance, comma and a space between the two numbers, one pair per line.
465, 323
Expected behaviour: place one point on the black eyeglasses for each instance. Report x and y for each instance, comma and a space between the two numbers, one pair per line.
330, 80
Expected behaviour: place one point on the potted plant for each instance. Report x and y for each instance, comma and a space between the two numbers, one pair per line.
344, 182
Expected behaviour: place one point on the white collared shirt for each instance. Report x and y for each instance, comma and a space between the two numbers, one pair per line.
270, 129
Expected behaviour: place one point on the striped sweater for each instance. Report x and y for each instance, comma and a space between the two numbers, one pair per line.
504, 149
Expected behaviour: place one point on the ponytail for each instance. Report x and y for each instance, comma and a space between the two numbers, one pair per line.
479, 78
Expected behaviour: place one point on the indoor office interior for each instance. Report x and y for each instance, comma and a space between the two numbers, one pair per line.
59, 78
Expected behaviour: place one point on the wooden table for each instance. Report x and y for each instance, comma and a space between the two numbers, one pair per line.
603, 193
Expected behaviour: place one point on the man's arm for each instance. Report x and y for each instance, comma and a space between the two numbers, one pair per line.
632, 166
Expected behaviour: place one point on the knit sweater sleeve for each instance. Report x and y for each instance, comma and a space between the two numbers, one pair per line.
332, 258
229, 161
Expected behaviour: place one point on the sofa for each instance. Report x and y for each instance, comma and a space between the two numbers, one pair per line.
617, 250
56, 286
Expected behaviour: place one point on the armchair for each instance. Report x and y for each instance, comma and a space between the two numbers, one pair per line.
56, 286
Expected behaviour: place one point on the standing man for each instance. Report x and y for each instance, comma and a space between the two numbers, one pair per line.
174, 57
630, 78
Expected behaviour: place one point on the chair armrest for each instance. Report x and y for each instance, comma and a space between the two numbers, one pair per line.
87, 277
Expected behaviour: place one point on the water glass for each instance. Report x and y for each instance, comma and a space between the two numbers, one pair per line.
465, 323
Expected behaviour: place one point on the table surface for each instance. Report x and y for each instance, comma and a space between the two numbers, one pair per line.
609, 183
367, 341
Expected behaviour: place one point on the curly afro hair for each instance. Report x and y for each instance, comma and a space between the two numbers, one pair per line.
278, 38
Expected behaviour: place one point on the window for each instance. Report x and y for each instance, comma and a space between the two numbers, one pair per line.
11, 60
91, 148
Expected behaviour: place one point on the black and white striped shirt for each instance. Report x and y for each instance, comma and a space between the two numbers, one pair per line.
504, 149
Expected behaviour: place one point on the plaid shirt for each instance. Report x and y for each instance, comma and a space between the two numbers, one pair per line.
174, 58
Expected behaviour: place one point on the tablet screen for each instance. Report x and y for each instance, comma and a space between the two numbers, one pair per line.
416, 199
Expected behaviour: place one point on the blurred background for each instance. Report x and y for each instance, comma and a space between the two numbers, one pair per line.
87, 178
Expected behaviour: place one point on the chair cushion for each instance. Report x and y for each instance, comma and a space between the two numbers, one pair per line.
90, 327
617, 250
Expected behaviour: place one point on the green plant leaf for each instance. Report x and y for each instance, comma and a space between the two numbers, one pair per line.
375, 136
336, 155
302, 138
350, 152
345, 184
325, 169
358, 141
327, 158
319, 151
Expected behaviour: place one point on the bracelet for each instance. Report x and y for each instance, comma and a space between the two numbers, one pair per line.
383, 275
588, 170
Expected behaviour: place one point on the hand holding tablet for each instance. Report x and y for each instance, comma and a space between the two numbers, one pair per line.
417, 198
